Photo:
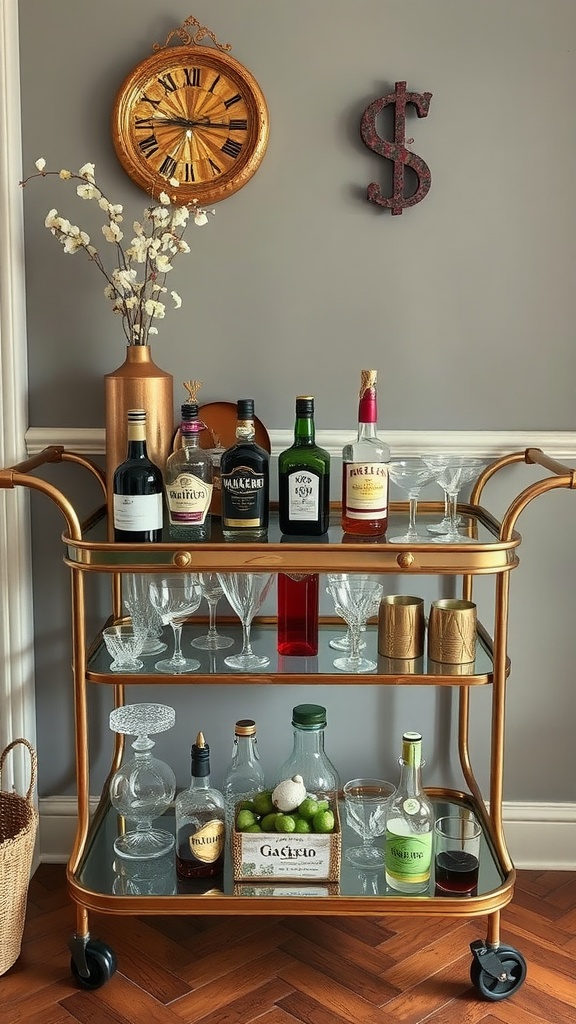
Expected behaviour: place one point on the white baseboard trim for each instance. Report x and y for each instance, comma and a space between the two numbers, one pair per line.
540, 837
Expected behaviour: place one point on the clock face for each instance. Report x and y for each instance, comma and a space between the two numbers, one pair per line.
194, 115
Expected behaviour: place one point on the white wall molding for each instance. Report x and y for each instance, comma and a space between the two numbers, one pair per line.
540, 837
492, 443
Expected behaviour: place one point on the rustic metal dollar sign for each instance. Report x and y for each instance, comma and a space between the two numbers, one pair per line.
396, 150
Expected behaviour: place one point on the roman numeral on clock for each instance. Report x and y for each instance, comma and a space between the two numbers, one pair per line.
149, 146
232, 100
192, 76
231, 147
168, 83
238, 124
168, 167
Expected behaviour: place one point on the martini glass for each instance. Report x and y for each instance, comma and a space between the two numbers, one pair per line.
453, 471
175, 597
411, 475
246, 592
355, 598
212, 591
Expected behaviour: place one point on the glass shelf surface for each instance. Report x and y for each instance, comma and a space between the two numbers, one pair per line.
101, 871
263, 639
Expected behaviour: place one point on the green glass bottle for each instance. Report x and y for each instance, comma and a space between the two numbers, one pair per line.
304, 478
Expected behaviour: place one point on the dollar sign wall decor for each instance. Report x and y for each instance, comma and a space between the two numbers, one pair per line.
396, 150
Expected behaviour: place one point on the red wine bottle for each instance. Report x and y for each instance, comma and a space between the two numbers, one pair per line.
138, 487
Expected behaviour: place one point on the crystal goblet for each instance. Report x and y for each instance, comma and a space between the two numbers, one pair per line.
135, 590
366, 802
355, 598
212, 591
411, 475
144, 786
246, 592
452, 472
342, 642
175, 597
124, 643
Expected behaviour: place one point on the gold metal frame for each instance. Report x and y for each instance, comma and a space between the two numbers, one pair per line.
497, 557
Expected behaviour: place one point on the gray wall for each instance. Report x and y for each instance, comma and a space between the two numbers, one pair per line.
465, 303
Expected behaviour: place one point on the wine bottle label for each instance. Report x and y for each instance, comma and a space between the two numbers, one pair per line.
303, 495
188, 498
208, 842
366, 490
137, 511
243, 492
408, 857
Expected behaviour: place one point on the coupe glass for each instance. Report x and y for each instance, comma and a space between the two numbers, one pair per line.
452, 472
175, 597
355, 598
143, 787
246, 592
411, 475
367, 802
212, 591
124, 643
135, 591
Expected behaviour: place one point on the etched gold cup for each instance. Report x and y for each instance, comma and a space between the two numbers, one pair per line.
452, 631
401, 626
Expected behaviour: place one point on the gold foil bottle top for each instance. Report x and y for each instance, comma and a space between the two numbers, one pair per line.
368, 380
192, 387
245, 727
200, 741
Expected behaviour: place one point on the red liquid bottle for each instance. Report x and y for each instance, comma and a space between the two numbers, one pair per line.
298, 614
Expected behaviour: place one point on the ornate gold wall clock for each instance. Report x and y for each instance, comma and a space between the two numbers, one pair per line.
193, 114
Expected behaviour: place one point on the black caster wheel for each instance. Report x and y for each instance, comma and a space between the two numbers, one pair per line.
496, 973
95, 958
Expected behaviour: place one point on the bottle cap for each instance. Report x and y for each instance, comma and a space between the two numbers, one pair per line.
245, 727
304, 405
309, 716
245, 407
136, 415
200, 757
189, 411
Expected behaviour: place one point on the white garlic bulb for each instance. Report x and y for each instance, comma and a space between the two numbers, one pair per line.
289, 794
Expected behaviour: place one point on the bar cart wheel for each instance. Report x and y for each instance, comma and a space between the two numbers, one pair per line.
496, 973
92, 963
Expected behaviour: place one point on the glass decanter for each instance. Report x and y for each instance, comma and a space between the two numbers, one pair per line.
144, 786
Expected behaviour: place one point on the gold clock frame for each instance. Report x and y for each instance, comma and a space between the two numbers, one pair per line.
180, 60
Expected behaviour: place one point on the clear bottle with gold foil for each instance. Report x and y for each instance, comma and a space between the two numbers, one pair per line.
365, 469
200, 826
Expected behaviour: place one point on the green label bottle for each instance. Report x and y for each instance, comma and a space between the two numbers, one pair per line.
410, 824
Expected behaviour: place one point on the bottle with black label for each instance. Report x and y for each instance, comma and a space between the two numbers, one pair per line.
188, 479
137, 489
200, 827
244, 472
304, 478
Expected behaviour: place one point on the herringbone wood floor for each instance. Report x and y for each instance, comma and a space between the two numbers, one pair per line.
290, 970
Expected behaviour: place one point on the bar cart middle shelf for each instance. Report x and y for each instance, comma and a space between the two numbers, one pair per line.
97, 881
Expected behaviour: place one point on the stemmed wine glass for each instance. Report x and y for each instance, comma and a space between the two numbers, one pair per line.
143, 614
452, 472
411, 475
355, 598
367, 802
343, 642
175, 597
212, 591
246, 592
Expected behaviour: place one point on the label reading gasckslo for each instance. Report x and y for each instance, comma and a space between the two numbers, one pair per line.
303, 495
188, 498
207, 843
366, 488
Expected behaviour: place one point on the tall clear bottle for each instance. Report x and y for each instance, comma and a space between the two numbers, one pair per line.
245, 476
188, 481
137, 489
304, 478
309, 758
410, 824
365, 469
244, 775
200, 825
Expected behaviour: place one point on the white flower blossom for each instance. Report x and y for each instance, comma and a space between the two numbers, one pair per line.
136, 279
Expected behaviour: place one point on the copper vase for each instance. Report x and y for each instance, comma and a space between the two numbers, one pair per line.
137, 384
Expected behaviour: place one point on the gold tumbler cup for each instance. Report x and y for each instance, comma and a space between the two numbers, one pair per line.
401, 626
452, 631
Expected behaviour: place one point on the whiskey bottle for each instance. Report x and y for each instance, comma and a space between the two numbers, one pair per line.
137, 489
244, 775
244, 472
410, 824
188, 481
365, 469
200, 828
304, 478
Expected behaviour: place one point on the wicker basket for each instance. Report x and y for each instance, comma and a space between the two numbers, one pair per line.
18, 825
